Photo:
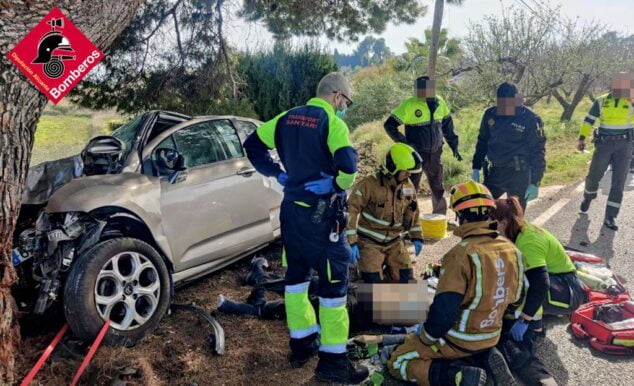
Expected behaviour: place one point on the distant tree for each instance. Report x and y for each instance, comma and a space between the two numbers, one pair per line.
337, 19
283, 77
369, 52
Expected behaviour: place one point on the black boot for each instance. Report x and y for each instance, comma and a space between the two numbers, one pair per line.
339, 369
585, 205
302, 350
273, 310
230, 307
494, 362
257, 297
256, 274
610, 223
444, 372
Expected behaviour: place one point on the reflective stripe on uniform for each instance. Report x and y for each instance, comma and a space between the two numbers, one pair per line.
299, 334
332, 302
333, 348
369, 217
520, 274
416, 229
473, 337
478, 293
625, 126
297, 288
351, 232
358, 193
614, 204
586, 191
378, 236
401, 362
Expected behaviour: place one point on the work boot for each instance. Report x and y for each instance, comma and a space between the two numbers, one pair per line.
256, 273
497, 366
338, 368
230, 307
467, 376
585, 205
257, 297
610, 223
302, 350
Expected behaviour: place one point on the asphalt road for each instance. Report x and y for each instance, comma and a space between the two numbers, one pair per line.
573, 362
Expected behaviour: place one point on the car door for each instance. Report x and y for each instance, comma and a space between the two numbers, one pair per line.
207, 213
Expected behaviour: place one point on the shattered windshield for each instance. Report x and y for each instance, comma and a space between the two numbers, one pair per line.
128, 132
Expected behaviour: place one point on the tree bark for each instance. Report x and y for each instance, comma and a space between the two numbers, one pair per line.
435, 38
570, 107
21, 105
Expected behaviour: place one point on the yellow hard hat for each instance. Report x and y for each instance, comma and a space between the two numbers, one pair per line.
470, 194
402, 157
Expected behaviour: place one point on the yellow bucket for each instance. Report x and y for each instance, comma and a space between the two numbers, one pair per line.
434, 226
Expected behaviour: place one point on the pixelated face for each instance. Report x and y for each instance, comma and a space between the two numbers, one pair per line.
426, 89
404, 304
508, 106
623, 85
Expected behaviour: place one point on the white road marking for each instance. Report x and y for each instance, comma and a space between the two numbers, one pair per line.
580, 188
550, 212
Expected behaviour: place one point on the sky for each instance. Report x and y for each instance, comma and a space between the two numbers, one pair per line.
617, 14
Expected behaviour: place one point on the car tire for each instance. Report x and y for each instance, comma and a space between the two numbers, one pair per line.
124, 280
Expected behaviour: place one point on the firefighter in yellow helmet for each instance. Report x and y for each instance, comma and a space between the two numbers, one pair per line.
382, 208
479, 277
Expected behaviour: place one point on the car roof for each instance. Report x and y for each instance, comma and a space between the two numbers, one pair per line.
172, 114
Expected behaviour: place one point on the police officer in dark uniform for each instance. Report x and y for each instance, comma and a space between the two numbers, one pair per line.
427, 119
513, 142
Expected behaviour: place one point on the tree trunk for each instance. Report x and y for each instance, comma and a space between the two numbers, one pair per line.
21, 105
570, 107
435, 38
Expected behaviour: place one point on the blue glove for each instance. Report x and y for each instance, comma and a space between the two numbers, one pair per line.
518, 330
356, 254
418, 247
475, 175
322, 186
531, 192
282, 178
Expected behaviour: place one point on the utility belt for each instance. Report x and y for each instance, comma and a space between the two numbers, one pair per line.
606, 138
517, 163
334, 209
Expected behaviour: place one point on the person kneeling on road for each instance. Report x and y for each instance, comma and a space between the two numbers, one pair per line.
553, 288
479, 278
382, 207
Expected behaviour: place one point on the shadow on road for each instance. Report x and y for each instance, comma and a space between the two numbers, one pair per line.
603, 246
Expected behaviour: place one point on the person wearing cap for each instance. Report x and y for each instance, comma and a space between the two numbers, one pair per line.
382, 208
427, 119
612, 145
479, 278
511, 147
320, 163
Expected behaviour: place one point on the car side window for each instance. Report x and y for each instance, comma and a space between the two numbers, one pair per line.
229, 137
246, 127
199, 144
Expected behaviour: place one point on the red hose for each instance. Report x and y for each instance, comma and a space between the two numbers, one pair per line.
29, 377
91, 352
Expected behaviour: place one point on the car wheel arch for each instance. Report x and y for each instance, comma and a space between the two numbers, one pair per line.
123, 222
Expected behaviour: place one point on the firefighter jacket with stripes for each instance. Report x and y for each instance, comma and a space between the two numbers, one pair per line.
616, 116
381, 210
488, 271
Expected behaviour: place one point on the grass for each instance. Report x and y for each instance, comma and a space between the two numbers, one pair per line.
64, 129
564, 163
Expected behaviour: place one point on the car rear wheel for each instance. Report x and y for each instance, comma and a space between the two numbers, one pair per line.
123, 280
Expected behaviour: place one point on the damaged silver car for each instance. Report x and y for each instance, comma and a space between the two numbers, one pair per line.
109, 234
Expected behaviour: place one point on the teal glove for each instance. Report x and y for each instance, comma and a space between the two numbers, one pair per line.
531, 192
418, 246
475, 175
356, 254
518, 330
322, 186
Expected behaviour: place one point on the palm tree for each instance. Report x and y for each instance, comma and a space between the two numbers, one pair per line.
435, 35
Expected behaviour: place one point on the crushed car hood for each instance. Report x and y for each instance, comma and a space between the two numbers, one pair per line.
44, 179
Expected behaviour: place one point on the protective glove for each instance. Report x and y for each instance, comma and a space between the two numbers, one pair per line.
418, 246
321, 186
531, 192
475, 175
282, 178
457, 155
356, 254
518, 330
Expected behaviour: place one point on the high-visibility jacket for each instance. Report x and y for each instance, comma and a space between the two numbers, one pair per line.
616, 116
381, 210
488, 271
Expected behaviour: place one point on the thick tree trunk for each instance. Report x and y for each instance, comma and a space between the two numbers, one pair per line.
20, 107
570, 107
435, 38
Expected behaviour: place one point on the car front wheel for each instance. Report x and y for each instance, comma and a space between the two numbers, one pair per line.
123, 280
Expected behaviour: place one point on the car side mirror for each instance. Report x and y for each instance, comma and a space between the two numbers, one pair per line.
171, 159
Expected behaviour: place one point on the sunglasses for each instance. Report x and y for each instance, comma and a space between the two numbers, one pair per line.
348, 100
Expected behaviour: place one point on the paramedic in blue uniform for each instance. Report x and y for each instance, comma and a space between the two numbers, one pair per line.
511, 148
319, 162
